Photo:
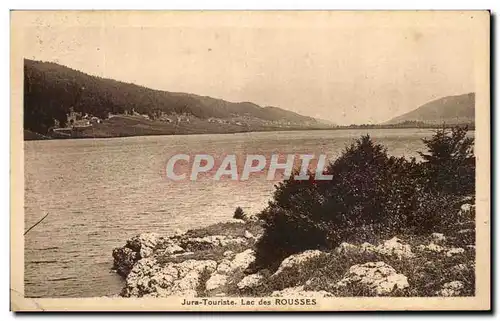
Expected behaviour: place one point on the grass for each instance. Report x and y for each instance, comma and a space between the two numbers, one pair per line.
229, 229
215, 253
427, 272
233, 229
201, 290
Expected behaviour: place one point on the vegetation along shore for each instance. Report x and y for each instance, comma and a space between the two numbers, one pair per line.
61, 103
384, 226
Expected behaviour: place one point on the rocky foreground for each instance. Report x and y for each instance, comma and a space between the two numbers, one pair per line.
212, 261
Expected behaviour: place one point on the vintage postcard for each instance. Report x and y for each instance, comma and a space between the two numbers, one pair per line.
250, 160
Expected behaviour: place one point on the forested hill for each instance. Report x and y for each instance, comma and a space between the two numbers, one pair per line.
50, 90
450, 110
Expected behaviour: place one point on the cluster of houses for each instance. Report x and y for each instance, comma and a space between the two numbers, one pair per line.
218, 121
78, 119
249, 120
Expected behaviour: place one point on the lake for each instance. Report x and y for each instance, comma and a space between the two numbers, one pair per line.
100, 192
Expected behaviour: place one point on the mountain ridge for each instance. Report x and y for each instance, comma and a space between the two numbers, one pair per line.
52, 90
450, 110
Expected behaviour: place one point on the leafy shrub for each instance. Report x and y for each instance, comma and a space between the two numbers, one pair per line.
369, 188
239, 214
449, 163
320, 214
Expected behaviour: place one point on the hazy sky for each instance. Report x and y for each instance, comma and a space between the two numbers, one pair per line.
344, 67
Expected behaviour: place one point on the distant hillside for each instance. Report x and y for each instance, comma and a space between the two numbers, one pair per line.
449, 110
50, 90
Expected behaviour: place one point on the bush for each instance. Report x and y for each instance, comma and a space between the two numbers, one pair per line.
320, 214
369, 188
449, 163
239, 214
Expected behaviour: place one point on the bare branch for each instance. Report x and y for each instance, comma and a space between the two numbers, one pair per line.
36, 224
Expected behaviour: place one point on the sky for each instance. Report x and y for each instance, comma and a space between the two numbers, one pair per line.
344, 67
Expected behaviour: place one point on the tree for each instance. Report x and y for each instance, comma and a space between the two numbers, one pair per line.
239, 214
449, 163
322, 213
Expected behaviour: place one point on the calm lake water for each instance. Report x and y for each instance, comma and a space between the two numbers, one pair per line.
100, 192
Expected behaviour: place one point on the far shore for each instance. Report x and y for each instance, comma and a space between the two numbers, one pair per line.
37, 136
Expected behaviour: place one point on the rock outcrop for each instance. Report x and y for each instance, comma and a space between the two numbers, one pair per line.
378, 278
455, 251
140, 247
396, 247
242, 260
438, 238
296, 259
431, 247
149, 278
348, 248
124, 259
453, 288
216, 281
392, 247
251, 281
211, 241
192, 263
152, 245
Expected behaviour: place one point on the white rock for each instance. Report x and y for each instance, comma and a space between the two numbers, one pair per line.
466, 211
216, 240
378, 277
216, 281
182, 254
396, 247
368, 247
178, 232
251, 281
232, 241
137, 281
438, 237
248, 235
392, 247
347, 248
252, 218
460, 268
242, 260
145, 243
224, 267
466, 231
189, 275
173, 249
228, 254
148, 278
165, 277
187, 284
298, 291
189, 265
455, 251
453, 288
466, 208
432, 247
296, 259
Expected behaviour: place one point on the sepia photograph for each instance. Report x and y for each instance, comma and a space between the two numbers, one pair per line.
250, 160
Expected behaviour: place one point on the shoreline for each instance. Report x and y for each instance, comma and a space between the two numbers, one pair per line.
232, 133
216, 261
